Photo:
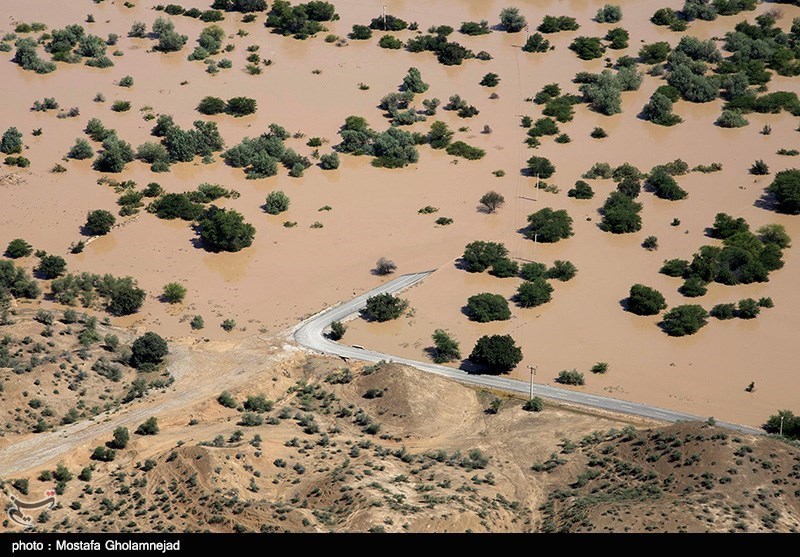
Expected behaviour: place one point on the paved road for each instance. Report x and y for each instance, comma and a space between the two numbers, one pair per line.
310, 334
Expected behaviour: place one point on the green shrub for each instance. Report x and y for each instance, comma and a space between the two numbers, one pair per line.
499, 353
643, 300
277, 202
570, 377
534, 292
148, 427
487, 307
562, 270
684, 320
547, 225
384, 307
173, 293
446, 348
225, 230
337, 331
479, 256
18, 248
148, 351
99, 222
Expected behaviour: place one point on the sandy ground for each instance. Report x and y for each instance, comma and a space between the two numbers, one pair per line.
290, 273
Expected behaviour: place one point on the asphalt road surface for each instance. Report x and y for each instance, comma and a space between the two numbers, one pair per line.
311, 334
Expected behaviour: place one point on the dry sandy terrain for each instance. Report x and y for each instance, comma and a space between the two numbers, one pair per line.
436, 462
291, 272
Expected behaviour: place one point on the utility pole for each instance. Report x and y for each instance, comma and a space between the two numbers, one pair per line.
384, 18
533, 372
537, 187
781, 430
527, 33
535, 238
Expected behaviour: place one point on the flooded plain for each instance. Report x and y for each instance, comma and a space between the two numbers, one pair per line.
290, 273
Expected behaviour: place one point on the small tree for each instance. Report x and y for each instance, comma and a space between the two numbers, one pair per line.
562, 270
534, 293
487, 307
148, 427
547, 225
384, 307
241, 106
479, 256
413, 81
540, 167
338, 330
385, 266
212, 105
18, 248
173, 293
329, 161
504, 268
511, 20
571, 377
490, 80
99, 222
11, 142
148, 351
121, 438
684, 320
81, 150
608, 14
226, 399
492, 201
786, 190
225, 230
499, 353
747, 308
446, 348
534, 404
277, 202
103, 454
51, 266
644, 300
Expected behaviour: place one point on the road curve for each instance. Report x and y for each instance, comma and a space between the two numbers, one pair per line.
311, 334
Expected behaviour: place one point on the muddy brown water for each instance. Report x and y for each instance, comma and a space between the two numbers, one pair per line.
291, 272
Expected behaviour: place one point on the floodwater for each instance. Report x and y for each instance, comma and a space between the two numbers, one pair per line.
290, 273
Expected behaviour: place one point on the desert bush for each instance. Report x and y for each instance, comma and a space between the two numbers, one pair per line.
385, 266
587, 48
18, 248
337, 331
684, 320
99, 222
487, 307
173, 293
499, 353
785, 188
81, 150
511, 20
582, 190
475, 28
446, 348
534, 292
148, 351
148, 427
384, 307
643, 300
461, 149
536, 43
11, 141
241, 106
479, 256
276, 203
608, 14
225, 230
570, 377
731, 119
562, 270
547, 225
